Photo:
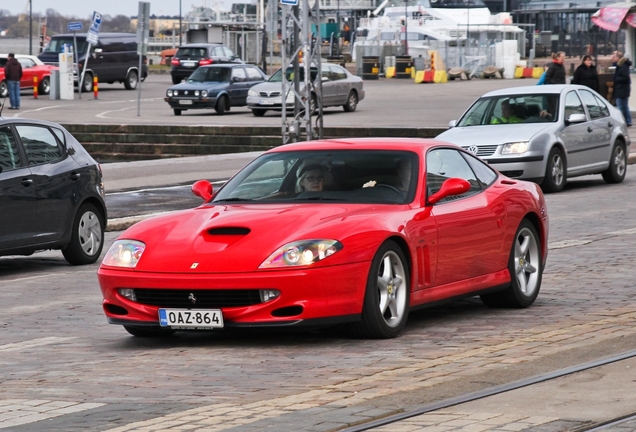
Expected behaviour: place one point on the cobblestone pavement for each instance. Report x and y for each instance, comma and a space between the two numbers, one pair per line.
63, 368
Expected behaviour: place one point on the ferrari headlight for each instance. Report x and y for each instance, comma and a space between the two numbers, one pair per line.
124, 253
515, 147
204, 93
252, 93
302, 253
169, 93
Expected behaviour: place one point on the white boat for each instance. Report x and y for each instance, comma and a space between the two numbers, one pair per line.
462, 30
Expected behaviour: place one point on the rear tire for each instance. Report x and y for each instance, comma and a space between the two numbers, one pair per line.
87, 236
132, 80
352, 102
221, 105
386, 300
525, 270
177, 112
555, 172
148, 331
618, 164
45, 86
4, 89
258, 112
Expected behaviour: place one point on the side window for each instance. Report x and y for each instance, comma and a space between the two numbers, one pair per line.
337, 73
442, 164
26, 63
253, 74
326, 73
603, 106
60, 135
9, 156
228, 52
485, 175
592, 105
39, 144
218, 52
573, 105
239, 74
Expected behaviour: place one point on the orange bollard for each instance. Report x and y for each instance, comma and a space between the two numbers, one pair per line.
95, 89
35, 86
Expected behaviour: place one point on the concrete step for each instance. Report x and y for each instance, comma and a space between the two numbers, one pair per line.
135, 138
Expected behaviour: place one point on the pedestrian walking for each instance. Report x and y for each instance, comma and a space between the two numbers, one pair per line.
556, 71
622, 84
13, 74
586, 74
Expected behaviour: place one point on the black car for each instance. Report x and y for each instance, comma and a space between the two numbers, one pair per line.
191, 56
218, 86
51, 192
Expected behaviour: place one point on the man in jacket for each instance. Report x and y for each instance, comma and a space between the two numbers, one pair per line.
13, 74
622, 84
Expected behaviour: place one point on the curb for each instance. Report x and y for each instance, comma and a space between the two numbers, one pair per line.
121, 224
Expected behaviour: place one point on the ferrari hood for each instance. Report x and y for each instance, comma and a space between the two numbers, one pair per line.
235, 238
493, 134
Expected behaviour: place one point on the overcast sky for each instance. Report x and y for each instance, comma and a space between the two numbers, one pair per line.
85, 8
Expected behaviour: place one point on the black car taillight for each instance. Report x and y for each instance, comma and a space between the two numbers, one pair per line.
206, 61
175, 61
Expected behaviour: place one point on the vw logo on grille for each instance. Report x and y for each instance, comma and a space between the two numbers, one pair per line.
473, 149
192, 298
185, 92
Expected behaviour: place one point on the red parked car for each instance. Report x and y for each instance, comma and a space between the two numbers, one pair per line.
31, 67
355, 231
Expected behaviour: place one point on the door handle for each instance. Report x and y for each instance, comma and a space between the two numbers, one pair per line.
589, 129
75, 176
27, 182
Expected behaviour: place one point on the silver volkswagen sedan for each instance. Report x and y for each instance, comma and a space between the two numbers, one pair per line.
339, 88
545, 134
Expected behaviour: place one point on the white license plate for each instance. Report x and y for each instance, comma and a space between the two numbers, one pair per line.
192, 319
185, 102
189, 63
266, 102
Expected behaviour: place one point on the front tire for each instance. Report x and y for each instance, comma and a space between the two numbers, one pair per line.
525, 270
258, 112
386, 300
132, 80
555, 172
221, 105
618, 165
148, 331
87, 84
352, 102
87, 236
4, 89
45, 86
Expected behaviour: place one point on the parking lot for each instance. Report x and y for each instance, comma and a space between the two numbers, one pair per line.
64, 368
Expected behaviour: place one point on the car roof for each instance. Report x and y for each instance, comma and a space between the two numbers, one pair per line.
542, 89
17, 120
224, 65
101, 35
195, 45
408, 144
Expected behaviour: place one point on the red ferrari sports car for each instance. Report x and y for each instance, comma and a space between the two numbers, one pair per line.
31, 67
356, 231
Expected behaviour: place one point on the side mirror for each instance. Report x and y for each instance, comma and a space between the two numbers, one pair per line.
452, 186
203, 189
98, 50
452, 123
576, 118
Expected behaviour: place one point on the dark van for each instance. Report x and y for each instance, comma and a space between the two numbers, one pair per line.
114, 58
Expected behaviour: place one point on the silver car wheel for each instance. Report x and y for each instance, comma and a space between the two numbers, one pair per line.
392, 289
557, 169
526, 261
90, 233
619, 160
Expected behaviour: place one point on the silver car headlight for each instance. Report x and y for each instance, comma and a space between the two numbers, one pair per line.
197, 92
169, 93
204, 93
302, 253
124, 253
252, 93
515, 147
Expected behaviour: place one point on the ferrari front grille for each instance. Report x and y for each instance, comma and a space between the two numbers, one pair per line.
197, 299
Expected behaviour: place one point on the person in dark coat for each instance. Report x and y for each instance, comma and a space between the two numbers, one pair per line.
622, 84
556, 71
586, 74
13, 74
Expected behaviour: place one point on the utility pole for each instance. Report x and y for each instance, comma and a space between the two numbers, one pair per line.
30, 27
406, 23
301, 43
180, 25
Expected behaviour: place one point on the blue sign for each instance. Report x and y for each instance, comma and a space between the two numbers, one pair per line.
289, 2
93, 31
74, 26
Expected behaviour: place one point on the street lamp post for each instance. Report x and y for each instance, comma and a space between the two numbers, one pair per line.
180, 25
406, 23
30, 27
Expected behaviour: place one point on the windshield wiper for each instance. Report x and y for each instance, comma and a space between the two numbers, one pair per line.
232, 199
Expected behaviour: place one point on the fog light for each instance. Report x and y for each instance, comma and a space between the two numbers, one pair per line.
268, 294
129, 293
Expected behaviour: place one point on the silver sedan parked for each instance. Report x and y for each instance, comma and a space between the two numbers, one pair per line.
339, 88
545, 134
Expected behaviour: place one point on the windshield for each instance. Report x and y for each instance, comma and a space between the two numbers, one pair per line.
351, 176
533, 108
210, 74
290, 74
56, 45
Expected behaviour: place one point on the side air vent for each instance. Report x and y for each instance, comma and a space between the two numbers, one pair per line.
229, 231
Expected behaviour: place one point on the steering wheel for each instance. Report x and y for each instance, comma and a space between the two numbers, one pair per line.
389, 187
